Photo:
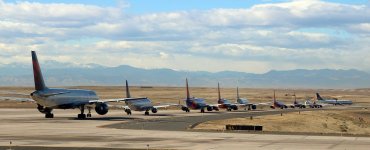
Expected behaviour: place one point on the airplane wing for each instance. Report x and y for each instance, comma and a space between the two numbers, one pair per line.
16, 99
165, 105
115, 100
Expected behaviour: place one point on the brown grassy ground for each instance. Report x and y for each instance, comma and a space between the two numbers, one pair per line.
176, 94
356, 122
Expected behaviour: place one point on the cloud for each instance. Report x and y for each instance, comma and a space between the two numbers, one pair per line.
287, 35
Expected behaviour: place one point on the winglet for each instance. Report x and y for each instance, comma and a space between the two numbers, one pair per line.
187, 90
37, 75
128, 95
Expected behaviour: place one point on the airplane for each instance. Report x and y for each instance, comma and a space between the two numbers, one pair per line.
333, 101
244, 101
225, 103
296, 104
196, 103
48, 99
312, 105
140, 104
277, 104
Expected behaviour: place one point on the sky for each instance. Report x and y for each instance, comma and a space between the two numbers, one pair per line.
209, 35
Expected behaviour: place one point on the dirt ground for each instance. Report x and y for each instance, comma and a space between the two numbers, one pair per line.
355, 122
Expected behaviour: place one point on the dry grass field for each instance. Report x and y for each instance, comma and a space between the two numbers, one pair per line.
177, 94
355, 122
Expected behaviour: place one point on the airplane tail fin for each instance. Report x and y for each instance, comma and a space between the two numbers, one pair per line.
274, 97
37, 74
237, 93
295, 99
219, 93
128, 95
319, 97
187, 89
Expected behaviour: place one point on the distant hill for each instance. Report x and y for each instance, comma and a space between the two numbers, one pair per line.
64, 74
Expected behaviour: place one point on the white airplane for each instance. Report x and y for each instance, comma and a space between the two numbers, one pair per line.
141, 104
333, 101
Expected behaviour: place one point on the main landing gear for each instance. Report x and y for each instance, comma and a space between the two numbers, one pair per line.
146, 112
45, 110
49, 115
128, 111
82, 115
202, 110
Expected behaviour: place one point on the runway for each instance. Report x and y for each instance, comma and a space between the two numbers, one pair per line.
27, 127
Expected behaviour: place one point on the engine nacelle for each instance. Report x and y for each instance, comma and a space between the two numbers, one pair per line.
183, 108
154, 110
101, 108
234, 107
43, 109
254, 107
273, 107
215, 108
209, 108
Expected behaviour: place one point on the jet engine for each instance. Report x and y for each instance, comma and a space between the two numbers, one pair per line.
154, 110
101, 108
273, 107
254, 107
234, 107
43, 109
186, 109
209, 108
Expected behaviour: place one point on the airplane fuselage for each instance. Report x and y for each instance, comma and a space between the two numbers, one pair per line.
225, 104
336, 102
196, 103
63, 98
278, 104
140, 104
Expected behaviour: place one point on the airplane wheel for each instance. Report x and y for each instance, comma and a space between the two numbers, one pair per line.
146, 113
88, 115
187, 110
49, 115
202, 110
81, 116
128, 111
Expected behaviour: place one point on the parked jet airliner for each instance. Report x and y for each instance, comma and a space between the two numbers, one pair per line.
225, 103
277, 104
48, 99
141, 103
333, 101
196, 103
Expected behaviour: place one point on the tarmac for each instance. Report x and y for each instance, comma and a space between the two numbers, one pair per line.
28, 129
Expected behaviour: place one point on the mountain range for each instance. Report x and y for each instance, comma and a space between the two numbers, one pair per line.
65, 74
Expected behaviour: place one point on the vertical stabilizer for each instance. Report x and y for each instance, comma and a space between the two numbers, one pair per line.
219, 93
274, 97
187, 89
319, 97
237, 93
128, 95
295, 99
37, 75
